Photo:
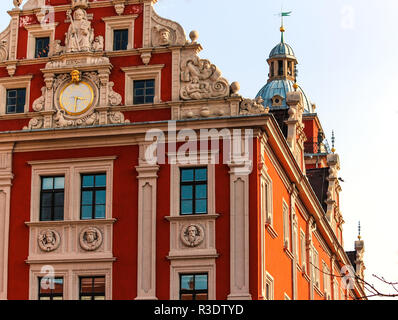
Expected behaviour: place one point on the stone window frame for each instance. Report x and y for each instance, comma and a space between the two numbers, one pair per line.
303, 250
71, 273
16, 82
38, 31
286, 225
209, 158
192, 266
117, 23
270, 281
142, 73
266, 182
72, 170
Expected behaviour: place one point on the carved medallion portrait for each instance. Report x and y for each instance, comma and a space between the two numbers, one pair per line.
192, 235
49, 240
90, 238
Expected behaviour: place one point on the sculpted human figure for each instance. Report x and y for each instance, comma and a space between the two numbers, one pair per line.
80, 35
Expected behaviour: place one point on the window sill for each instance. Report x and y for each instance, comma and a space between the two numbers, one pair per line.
74, 222
271, 231
318, 291
192, 217
288, 253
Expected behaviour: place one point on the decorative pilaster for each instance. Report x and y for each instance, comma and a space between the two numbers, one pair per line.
239, 221
311, 227
147, 24
175, 75
147, 188
6, 177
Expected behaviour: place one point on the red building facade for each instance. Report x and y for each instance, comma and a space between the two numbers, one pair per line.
249, 210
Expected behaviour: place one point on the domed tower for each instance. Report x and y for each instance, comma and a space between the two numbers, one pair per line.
282, 78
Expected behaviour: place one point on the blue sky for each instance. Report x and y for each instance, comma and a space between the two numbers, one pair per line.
347, 52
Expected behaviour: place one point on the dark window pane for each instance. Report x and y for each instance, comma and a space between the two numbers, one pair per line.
47, 200
187, 175
59, 213
59, 199
149, 99
88, 181
201, 174
100, 180
201, 191
99, 212
186, 207
120, 39
12, 93
186, 192
100, 197
139, 100
139, 84
201, 206
45, 214
87, 197
87, 212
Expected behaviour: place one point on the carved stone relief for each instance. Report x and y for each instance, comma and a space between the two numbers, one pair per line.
90, 238
4, 44
49, 240
192, 235
166, 32
201, 80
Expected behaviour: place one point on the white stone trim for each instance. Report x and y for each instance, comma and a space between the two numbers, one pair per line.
6, 177
71, 169
192, 266
142, 73
71, 274
118, 23
37, 31
239, 237
19, 82
147, 193
270, 281
286, 224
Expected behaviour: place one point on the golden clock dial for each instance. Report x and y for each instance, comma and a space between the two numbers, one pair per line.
76, 98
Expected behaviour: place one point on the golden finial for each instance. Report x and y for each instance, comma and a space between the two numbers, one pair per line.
282, 29
75, 74
295, 86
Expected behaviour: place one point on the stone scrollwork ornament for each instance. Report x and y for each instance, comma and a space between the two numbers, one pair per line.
250, 106
49, 240
38, 104
90, 239
202, 80
192, 235
115, 99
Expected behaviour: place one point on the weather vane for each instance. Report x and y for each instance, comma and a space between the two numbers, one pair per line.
283, 14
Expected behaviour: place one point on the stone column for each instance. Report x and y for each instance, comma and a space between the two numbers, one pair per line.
147, 189
239, 222
6, 177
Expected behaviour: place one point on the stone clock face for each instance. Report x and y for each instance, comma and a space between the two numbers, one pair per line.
76, 98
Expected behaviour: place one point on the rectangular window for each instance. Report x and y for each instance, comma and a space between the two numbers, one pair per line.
120, 39
315, 269
194, 287
92, 288
52, 197
272, 69
93, 196
286, 228
303, 249
42, 47
16, 99
144, 91
51, 290
193, 191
